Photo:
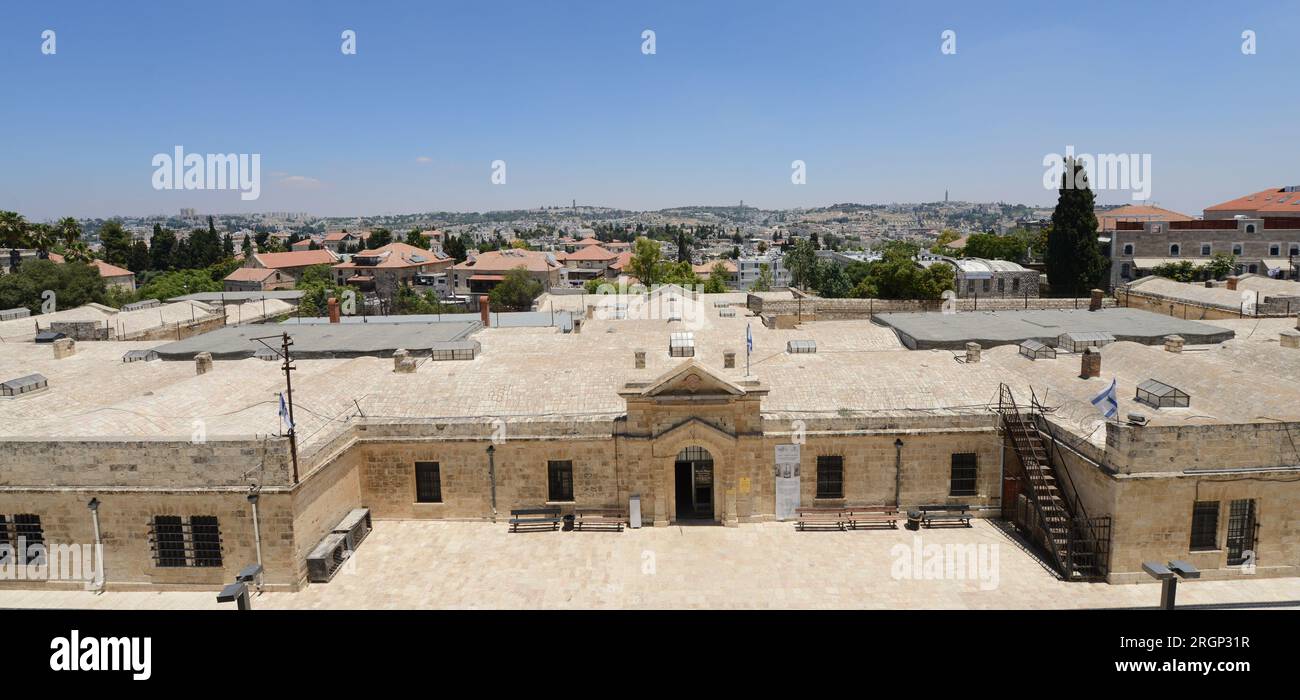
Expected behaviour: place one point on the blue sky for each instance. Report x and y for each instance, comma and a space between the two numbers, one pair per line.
562, 93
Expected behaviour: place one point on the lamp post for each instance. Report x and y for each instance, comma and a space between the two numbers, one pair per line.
254, 493
898, 472
492, 477
93, 505
237, 592
1168, 576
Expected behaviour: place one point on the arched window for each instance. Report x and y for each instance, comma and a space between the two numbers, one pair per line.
1174, 250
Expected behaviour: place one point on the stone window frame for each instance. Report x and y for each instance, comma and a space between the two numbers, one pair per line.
1238, 248
830, 477
965, 462
1207, 248
189, 542
555, 472
1250, 228
1205, 529
1293, 248
1271, 245
1175, 250
435, 487
1128, 249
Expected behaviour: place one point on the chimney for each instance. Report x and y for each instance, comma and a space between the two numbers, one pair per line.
972, 352
64, 347
1232, 283
639, 356
1094, 303
483, 310
203, 363
333, 305
1091, 366
1290, 339
591, 311
1174, 343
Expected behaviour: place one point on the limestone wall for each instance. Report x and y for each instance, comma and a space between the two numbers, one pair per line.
160, 464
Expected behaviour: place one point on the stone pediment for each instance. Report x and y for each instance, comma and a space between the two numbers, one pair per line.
688, 379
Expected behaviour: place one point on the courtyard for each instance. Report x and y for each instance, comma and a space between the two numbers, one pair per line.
414, 564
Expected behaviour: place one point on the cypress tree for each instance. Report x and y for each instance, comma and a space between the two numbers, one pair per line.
1073, 258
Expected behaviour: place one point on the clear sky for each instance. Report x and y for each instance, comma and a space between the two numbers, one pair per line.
561, 92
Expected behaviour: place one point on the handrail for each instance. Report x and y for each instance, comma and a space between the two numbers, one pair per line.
1006, 397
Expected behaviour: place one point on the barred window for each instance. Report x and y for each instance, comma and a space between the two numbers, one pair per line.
25, 538
428, 482
1205, 525
965, 467
830, 476
177, 542
559, 477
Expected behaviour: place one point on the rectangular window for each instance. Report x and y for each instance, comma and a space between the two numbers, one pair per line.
830, 476
1205, 249
1241, 532
23, 532
1002, 284
1015, 284
1274, 249
205, 535
559, 479
428, 482
965, 466
1205, 525
1236, 248
168, 540
986, 285
1128, 248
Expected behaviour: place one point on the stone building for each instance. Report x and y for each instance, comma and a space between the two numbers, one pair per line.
171, 451
980, 278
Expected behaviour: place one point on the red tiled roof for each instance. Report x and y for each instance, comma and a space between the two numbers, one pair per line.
591, 252
1106, 220
296, 258
107, 270
1273, 201
588, 241
504, 260
395, 254
250, 274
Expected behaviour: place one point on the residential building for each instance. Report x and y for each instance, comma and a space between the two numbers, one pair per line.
335, 240
483, 271
384, 269
1265, 246
978, 278
292, 263
748, 270
257, 279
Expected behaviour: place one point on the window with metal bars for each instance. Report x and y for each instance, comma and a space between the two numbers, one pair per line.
1205, 525
830, 476
178, 542
428, 482
559, 477
24, 537
965, 468
1241, 531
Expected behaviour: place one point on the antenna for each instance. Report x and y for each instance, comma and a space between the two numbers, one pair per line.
285, 343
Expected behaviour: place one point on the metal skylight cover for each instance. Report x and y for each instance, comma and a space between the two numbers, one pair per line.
1160, 395
801, 346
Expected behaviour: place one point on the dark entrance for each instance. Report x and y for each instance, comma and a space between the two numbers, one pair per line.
694, 484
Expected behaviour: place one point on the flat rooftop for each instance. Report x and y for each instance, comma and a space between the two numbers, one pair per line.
926, 331
508, 319
282, 294
310, 341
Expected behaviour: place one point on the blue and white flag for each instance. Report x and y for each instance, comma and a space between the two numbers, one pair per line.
1107, 401
749, 339
284, 414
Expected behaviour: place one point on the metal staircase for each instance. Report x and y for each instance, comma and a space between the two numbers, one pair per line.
1078, 546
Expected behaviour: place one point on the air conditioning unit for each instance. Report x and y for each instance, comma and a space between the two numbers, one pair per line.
354, 527
329, 555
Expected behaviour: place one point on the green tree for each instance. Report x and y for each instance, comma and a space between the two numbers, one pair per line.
414, 238
227, 246
1073, 258
73, 284
1181, 271
13, 235
69, 230
247, 247
762, 283
116, 242
1221, 265
516, 292
801, 261
379, 238
941, 246
162, 246
138, 260
42, 238
832, 282
646, 261
717, 281
897, 276
179, 283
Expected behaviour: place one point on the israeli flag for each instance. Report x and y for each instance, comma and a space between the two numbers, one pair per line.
749, 339
284, 414
1107, 401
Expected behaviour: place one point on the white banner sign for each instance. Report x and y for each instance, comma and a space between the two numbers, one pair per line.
787, 481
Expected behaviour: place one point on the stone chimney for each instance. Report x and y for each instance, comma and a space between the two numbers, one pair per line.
591, 311
403, 363
639, 357
972, 352
729, 359
64, 347
333, 305
1290, 339
203, 363
1094, 302
1091, 365
1174, 343
1232, 283
484, 308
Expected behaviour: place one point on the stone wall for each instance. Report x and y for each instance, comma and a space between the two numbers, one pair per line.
163, 464
816, 308
1132, 449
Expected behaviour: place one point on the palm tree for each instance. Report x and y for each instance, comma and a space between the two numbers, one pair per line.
41, 237
77, 252
13, 235
69, 231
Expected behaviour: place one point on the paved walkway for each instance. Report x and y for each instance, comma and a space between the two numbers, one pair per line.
431, 564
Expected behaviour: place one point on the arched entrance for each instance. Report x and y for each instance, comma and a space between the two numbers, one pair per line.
693, 488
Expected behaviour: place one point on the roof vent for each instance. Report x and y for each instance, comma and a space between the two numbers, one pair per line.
24, 385
1160, 395
11, 314
140, 356
801, 347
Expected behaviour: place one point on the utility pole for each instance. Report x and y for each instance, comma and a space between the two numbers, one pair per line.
285, 343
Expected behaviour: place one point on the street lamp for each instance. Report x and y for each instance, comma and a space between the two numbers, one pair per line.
237, 592
93, 505
1168, 576
492, 476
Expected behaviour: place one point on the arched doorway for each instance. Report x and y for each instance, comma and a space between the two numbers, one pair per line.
693, 487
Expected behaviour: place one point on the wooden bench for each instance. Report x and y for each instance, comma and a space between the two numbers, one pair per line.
535, 519
820, 518
957, 513
599, 519
867, 516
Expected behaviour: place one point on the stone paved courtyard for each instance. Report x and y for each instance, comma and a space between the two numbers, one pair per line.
432, 564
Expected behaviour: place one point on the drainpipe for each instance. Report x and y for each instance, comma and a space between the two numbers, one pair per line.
492, 476
254, 492
93, 505
898, 472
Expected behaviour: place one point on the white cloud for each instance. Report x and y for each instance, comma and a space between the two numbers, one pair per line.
301, 182
424, 160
